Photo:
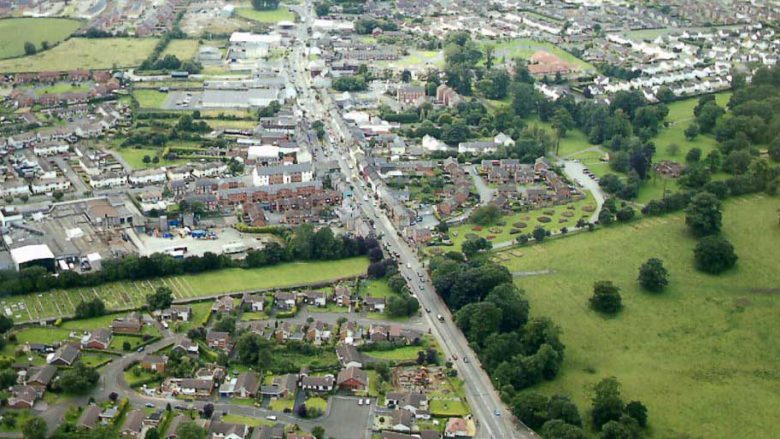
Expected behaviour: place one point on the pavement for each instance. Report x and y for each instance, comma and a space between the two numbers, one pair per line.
486, 193
576, 171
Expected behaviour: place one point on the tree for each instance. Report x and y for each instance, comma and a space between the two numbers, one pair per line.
606, 297
511, 300
539, 234
322, 9
226, 324
703, 215
478, 321
561, 407
79, 379
692, 131
673, 149
6, 323
318, 432
152, 433
34, 428
92, 308
531, 408
524, 99
653, 276
147, 159
485, 215
162, 298
606, 217
472, 246
714, 255
29, 48
625, 428
190, 430
693, 155
208, 410
607, 404
638, 411
557, 429
126, 346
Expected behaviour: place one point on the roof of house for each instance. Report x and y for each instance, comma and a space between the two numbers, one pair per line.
101, 335
317, 381
134, 421
352, 373
348, 354
90, 416
228, 428
248, 381
42, 375
67, 353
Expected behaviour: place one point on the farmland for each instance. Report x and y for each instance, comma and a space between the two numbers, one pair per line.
703, 354
14, 32
83, 53
132, 294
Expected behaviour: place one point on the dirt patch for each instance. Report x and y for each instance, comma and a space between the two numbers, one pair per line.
544, 219
520, 225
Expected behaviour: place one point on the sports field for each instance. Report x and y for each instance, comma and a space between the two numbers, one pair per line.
84, 53
703, 355
269, 17
524, 48
14, 32
132, 294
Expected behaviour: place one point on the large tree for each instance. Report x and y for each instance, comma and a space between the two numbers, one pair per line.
703, 215
190, 430
653, 276
606, 297
607, 403
162, 298
714, 255
79, 379
34, 428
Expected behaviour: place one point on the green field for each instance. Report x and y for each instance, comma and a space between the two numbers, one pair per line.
247, 420
135, 157
448, 407
84, 53
150, 98
118, 295
524, 48
62, 87
185, 50
14, 32
269, 17
702, 355
418, 58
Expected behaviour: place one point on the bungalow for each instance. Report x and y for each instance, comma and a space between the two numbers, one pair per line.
98, 339
375, 304
177, 313
284, 301
401, 420
318, 383
133, 425
40, 377
377, 333
318, 332
154, 363
349, 356
266, 432
227, 430
352, 378
350, 333
316, 298
287, 331
247, 385
186, 346
342, 296
89, 418
218, 340
253, 302
130, 324
195, 386
66, 355
459, 427
22, 397
415, 402
154, 418
398, 333
224, 304
281, 386
477, 147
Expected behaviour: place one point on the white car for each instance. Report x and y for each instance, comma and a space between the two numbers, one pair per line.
271, 417
360, 401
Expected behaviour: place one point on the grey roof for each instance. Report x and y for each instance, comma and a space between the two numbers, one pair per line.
67, 353
134, 421
284, 169
42, 375
90, 417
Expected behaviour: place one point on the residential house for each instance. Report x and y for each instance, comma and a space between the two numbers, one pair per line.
477, 147
432, 144
253, 302
177, 313
51, 147
318, 332
186, 346
154, 363
134, 423
375, 304
130, 324
209, 169
397, 333
446, 96
66, 355
401, 420
342, 296
287, 331
154, 418
224, 304
315, 298
147, 176
410, 95
284, 301
349, 356
299, 435
459, 427
22, 397
281, 387
415, 402
40, 378
352, 378
350, 333
107, 180
49, 185
281, 174
98, 339
267, 432
227, 430
318, 383
89, 417
377, 333
194, 386
247, 385
218, 340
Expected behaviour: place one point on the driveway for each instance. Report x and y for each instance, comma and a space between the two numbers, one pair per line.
576, 171
486, 193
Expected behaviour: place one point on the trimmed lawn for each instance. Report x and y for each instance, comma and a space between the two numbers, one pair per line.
525, 48
94, 359
448, 407
705, 340
132, 379
14, 32
84, 53
62, 87
46, 335
247, 420
316, 402
280, 404
135, 157
91, 324
269, 17
405, 353
185, 50
418, 58
377, 288
150, 98
255, 315
118, 341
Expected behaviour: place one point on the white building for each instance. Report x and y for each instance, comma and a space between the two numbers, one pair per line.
43, 186
432, 144
210, 169
14, 188
477, 147
280, 174
51, 147
107, 180
147, 176
245, 45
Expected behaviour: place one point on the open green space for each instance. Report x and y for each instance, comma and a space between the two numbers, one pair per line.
701, 355
84, 53
135, 157
14, 32
418, 58
62, 87
377, 288
269, 17
247, 420
136, 375
448, 407
404, 353
185, 50
281, 404
93, 359
132, 294
525, 48
318, 403
150, 98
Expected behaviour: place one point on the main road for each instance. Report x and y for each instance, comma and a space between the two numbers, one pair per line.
493, 418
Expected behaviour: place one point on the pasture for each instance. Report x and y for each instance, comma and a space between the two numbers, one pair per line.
14, 32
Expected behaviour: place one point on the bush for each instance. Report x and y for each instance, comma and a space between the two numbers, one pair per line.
544, 219
714, 255
606, 297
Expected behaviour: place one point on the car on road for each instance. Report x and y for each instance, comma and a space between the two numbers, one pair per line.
465, 359
498, 413
141, 349
149, 405
428, 310
360, 401
271, 417
180, 407
440, 317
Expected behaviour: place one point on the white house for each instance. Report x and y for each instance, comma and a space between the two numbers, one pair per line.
210, 169
432, 144
43, 186
280, 174
180, 173
14, 188
147, 176
107, 180
503, 140
477, 147
51, 147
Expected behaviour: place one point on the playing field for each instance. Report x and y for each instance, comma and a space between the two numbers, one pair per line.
131, 294
524, 48
14, 32
83, 53
703, 356
269, 17
150, 99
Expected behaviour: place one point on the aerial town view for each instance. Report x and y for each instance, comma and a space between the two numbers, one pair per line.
389, 219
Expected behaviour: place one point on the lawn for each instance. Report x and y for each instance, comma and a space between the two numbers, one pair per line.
62, 87
405, 353
315, 402
247, 420
525, 48
185, 50
14, 32
702, 355
253, 315
268, 17
133, 380
118, 341
90, 324
93, 359
84, 53
42, 335
448, 407
150, 98
417, 58
280, 404
377, 288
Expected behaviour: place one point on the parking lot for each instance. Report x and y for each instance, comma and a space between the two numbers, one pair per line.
225, 236
183, 100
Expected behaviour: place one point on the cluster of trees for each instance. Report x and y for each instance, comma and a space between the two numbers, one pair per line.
486, 215
304, 244
162, 298
610, 212
79, 379
713, 253
517, 352
553, 417
30, 49
606, 297
91, 308
188, 123
366, 26
402, 303
614, 418
265, 5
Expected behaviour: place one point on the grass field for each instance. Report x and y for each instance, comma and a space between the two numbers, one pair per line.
133, 293
14, 32
418, 58
316, 402
269, 17
150, 98
135, 157
702, 355
247, 420
62, 87
448, 407
185, 50
524, 48
83, 53
405, 353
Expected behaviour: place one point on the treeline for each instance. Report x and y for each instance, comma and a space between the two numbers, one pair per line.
516, 352
304, 245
